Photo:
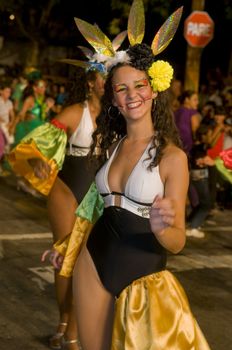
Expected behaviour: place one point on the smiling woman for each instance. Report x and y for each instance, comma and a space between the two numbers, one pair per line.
123, 295
143, 217
124, 256
124, 92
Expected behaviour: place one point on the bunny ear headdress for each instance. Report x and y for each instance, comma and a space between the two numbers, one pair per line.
102, 45
136, 27
160, 72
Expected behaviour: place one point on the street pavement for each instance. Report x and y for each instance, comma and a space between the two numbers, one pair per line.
28, 312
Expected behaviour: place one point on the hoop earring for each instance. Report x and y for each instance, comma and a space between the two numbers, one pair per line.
89, 93
153, 105
111, 116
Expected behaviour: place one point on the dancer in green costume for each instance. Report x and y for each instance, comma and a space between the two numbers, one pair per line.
33, 112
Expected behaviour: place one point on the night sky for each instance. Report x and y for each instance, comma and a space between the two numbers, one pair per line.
215, 54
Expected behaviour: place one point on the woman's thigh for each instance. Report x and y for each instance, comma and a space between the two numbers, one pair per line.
61, 209
94, 305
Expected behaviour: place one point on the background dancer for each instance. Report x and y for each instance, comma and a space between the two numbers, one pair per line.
67, 189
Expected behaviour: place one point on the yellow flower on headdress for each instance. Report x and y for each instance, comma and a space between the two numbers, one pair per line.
161, 74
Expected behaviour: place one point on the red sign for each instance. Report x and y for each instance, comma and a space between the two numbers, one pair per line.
198, 29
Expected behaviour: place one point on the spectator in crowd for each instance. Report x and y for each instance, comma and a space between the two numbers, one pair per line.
215, 93
207, 114
187, 120
17, 93
215, 140
61, 96
199, 178
7, 115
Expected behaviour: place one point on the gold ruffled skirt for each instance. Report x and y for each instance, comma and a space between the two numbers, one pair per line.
153, 313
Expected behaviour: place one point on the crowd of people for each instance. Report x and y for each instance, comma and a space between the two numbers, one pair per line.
26, 101
204, 122
205, 132
102, 149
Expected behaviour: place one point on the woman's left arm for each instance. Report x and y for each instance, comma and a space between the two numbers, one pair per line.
195, 123
175, 175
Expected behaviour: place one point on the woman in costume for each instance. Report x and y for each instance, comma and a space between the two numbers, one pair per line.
72, 183
33, 111
40, 156
124, 296
31, 115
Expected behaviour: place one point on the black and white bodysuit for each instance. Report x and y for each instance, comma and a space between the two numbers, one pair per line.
151, 309
77, 173
121, 243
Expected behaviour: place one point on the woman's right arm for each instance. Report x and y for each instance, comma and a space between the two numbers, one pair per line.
70, 117
195, 122
175, 176
214, 134
27, 105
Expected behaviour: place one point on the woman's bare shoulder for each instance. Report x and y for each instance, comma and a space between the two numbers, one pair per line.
74, 109
71, 113
29, 101
174, 162
174, 156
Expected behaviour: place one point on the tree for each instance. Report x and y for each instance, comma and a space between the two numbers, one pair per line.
33, 21
153, 8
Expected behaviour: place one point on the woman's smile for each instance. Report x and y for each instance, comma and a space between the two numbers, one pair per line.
132, 93
133, 105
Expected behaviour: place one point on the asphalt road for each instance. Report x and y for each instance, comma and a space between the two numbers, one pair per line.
28, 311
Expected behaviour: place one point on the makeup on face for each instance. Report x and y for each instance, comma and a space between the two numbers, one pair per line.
138, 84
131, 89
139, 88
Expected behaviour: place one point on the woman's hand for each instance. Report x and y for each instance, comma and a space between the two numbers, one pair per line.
41, 169
55, 258
162, 214
207, 160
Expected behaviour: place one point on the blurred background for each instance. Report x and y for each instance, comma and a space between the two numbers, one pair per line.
38, 33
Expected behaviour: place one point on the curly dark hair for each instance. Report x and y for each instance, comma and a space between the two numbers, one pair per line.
111, 125
29, 91
77, 86
141, 56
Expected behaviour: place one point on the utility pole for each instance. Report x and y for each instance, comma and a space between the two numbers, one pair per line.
193, 57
